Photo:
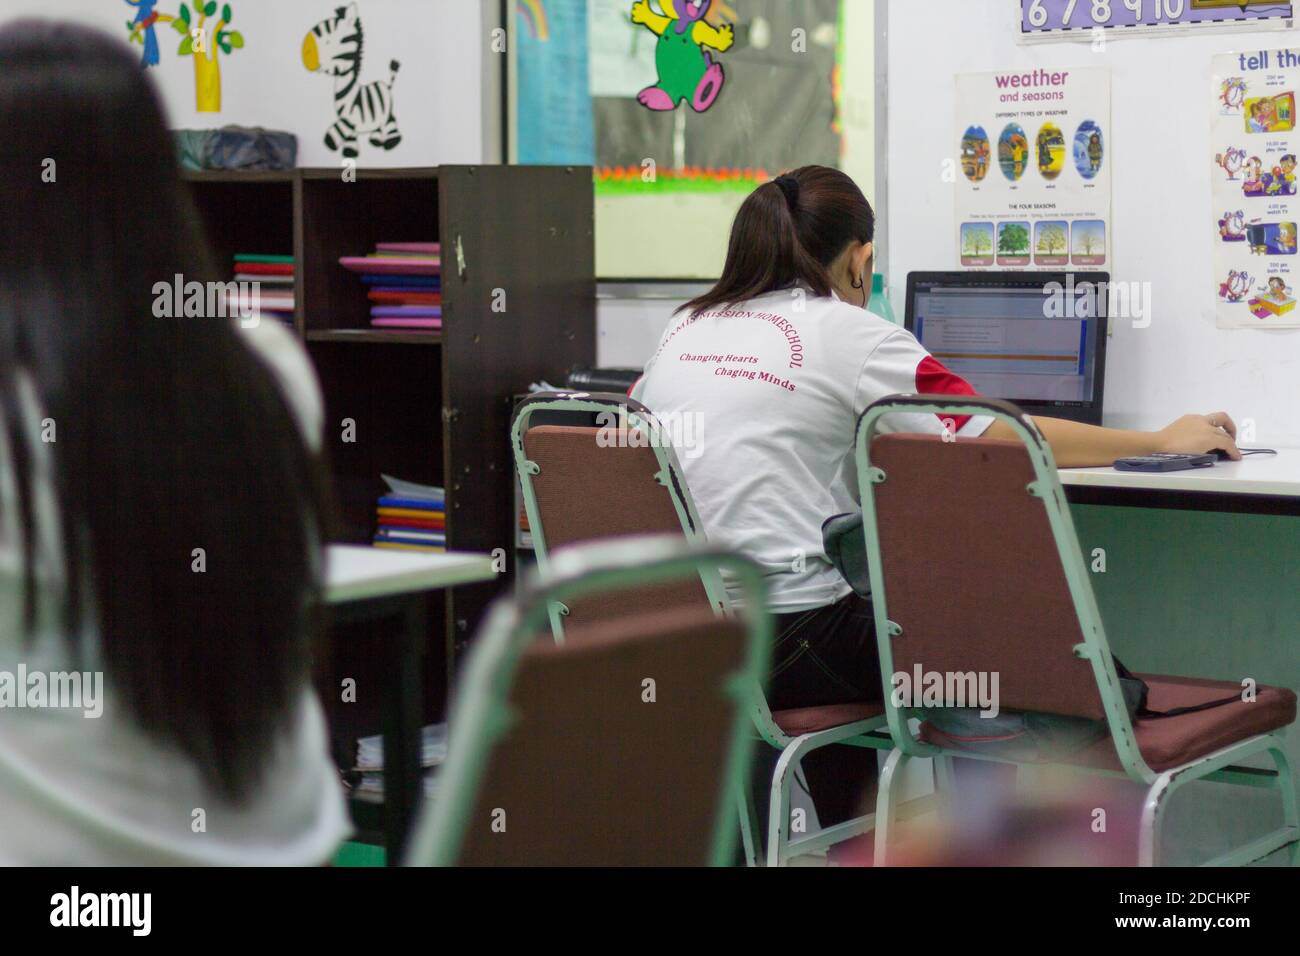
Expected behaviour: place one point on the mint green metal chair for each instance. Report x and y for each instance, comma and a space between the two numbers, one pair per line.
975, 567
559, 745
633, 465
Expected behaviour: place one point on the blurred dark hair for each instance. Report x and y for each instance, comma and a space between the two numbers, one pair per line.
789, 231
171, 435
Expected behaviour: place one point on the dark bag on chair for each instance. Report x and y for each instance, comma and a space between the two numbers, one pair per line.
846, 549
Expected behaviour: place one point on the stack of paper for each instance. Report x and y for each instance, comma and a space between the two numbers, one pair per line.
266, 283
370, 761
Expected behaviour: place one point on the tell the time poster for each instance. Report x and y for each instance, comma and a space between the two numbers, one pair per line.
1254, 145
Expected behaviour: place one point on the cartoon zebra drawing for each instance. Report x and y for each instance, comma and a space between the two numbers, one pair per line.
334, 46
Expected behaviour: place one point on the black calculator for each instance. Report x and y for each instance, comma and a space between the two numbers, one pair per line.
1165, 462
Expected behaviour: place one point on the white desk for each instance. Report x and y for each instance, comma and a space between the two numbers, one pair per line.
359, 573
1266, 484
1202, 582
370, 585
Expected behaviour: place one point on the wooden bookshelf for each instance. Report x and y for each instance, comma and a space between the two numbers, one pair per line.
428, 407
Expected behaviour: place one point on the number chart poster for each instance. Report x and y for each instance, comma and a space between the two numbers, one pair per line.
1255, 212
1052, 18
1034, 184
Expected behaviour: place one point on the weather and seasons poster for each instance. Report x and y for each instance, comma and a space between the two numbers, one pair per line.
1255, 210
1034, 177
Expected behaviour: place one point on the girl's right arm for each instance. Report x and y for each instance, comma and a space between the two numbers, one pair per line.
1075, 445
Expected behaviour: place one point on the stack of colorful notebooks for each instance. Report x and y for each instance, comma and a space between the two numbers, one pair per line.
274, 278
411, 517
404, 281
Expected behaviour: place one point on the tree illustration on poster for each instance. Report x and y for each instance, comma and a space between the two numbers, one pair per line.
204, 40
1013, 239
1051, 240
977, 242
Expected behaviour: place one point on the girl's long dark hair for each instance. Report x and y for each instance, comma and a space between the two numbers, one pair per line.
169, 434
789, 231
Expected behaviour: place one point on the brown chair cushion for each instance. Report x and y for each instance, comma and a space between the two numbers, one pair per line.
807, 720
590, 774
1172, 741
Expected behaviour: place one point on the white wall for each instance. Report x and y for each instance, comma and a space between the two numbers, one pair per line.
1163, 229
441, 44
630, 320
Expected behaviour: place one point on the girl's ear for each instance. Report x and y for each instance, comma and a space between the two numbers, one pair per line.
863, 258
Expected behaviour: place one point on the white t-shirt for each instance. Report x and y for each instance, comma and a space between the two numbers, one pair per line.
99, 791
762, 402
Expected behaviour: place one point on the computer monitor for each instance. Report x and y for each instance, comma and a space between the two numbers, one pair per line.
1034, 338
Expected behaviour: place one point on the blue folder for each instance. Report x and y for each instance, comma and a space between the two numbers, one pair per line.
423, 504
403, 282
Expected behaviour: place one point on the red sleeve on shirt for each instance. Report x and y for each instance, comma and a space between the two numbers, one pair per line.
933, 379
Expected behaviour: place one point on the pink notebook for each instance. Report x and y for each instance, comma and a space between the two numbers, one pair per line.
397, 266
406, 323
427, 248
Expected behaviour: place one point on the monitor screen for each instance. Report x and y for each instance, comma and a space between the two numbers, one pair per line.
1031, 340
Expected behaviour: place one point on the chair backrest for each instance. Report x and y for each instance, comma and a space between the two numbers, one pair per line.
610, 481
975, 565
617, 479
622, 746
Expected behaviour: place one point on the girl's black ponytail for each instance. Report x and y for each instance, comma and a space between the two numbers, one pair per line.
787, 233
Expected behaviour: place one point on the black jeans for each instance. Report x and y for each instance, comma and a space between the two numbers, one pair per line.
825, 656
828, 656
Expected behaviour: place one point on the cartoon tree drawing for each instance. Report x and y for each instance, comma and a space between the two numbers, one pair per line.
1088, 243
204, 40
1013, 240
1051, 240
977, 242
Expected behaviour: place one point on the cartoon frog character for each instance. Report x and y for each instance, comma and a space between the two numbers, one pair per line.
686, 68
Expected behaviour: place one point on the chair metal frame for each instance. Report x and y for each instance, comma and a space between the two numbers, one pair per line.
482, 715
870, 733
1222, 766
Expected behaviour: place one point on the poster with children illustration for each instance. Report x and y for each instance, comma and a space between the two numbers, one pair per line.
1045, 202
1256, 215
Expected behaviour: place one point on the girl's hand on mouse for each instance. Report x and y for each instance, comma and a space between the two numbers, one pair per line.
1201, 435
